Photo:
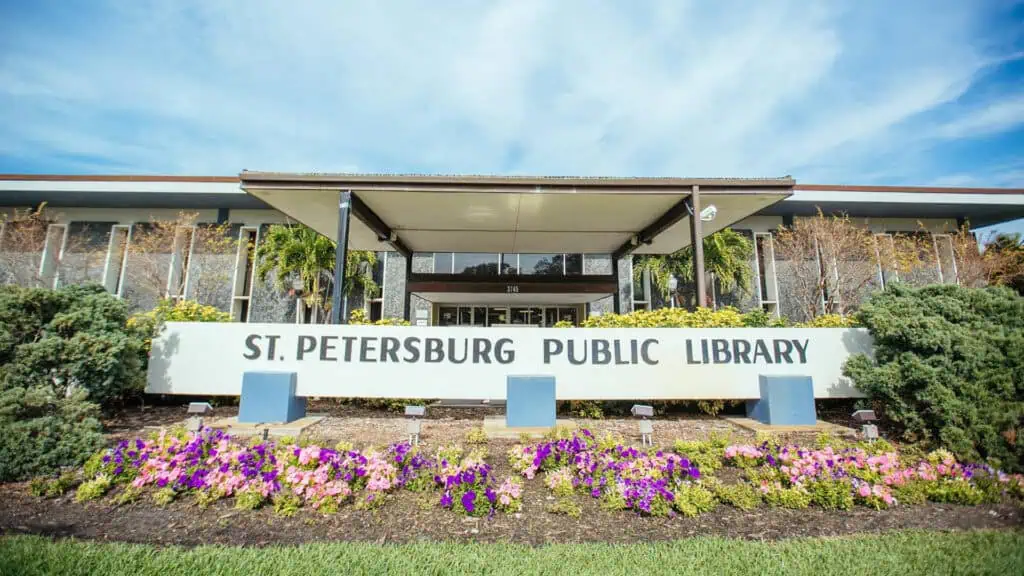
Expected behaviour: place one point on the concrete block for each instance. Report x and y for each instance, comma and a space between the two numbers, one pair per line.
784, 401
269, 397
530, 401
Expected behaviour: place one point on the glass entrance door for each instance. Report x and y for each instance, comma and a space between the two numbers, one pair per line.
539, 316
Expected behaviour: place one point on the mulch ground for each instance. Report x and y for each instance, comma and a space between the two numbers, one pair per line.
411, 517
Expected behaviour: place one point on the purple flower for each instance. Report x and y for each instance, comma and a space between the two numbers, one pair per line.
161, 482
118, 470
446, 500
491, 496
467, 501
694, 472
771, 460
596, 492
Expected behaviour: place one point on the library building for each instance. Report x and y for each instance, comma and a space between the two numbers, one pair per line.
451, 250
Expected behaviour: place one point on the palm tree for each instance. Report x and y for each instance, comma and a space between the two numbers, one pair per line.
291, 251
727, 257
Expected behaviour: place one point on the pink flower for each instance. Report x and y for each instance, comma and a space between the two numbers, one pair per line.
864, 491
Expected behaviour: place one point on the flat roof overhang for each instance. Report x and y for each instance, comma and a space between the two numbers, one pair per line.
979, 206
493, 214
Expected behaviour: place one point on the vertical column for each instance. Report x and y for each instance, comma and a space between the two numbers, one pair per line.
697, 239
617, 298
339, 306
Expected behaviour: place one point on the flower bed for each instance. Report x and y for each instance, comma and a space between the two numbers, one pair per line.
212, 465
663, 483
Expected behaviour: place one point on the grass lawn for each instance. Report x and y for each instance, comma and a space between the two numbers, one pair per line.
901, 553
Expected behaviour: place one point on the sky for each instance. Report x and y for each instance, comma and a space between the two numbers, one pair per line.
839, 92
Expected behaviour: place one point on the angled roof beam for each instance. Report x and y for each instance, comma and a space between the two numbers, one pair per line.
384, 232
673, 215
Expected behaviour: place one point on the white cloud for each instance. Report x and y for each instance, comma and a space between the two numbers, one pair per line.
823, 91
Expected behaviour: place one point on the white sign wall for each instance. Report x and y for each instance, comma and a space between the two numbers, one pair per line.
473, 363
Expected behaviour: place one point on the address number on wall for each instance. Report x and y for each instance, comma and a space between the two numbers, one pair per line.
512, 289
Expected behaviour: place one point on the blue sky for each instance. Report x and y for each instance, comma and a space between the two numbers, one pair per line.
857, 92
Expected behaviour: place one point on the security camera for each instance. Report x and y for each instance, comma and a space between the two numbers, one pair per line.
708, 214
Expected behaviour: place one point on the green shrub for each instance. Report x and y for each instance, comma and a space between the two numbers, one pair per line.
476, 435
583, 408
53, 487
567, 507
164, 496
42, 433
912, 493
707, 455
248, 499
955, 492
793, 498
206, 498
149, 324
286, 504
830, 321
127, 496
831, 494
948, 368
93, 489
741, 495
692, 500
74, 338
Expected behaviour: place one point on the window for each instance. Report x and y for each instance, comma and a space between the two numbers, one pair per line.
475, 264
574, 264
181, 256
946, 258
767, 284
376, 310
117, 259
542, 264
53, 252
245, 264
443, 262
510, 264
642, 290
885, 252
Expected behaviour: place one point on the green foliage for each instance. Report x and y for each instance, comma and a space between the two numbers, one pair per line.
955, 492
286, 504
948, 368
164, 496
358, 317
583, 408
128, 495
68, 339
248, 499
206, 498
93, 489
830, 321
43, 487
759, 318
831, 494
567, 506
476, 435
912, 493
741, 495
693, 500
792, 498
291, 252
149, 324
707, 455
41, 433
727, 255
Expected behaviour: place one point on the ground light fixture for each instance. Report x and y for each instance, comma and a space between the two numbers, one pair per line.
644, 412
414, 414
196, 411
673, 283
869, 431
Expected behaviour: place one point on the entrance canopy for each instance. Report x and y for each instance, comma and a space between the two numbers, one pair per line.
515, 214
